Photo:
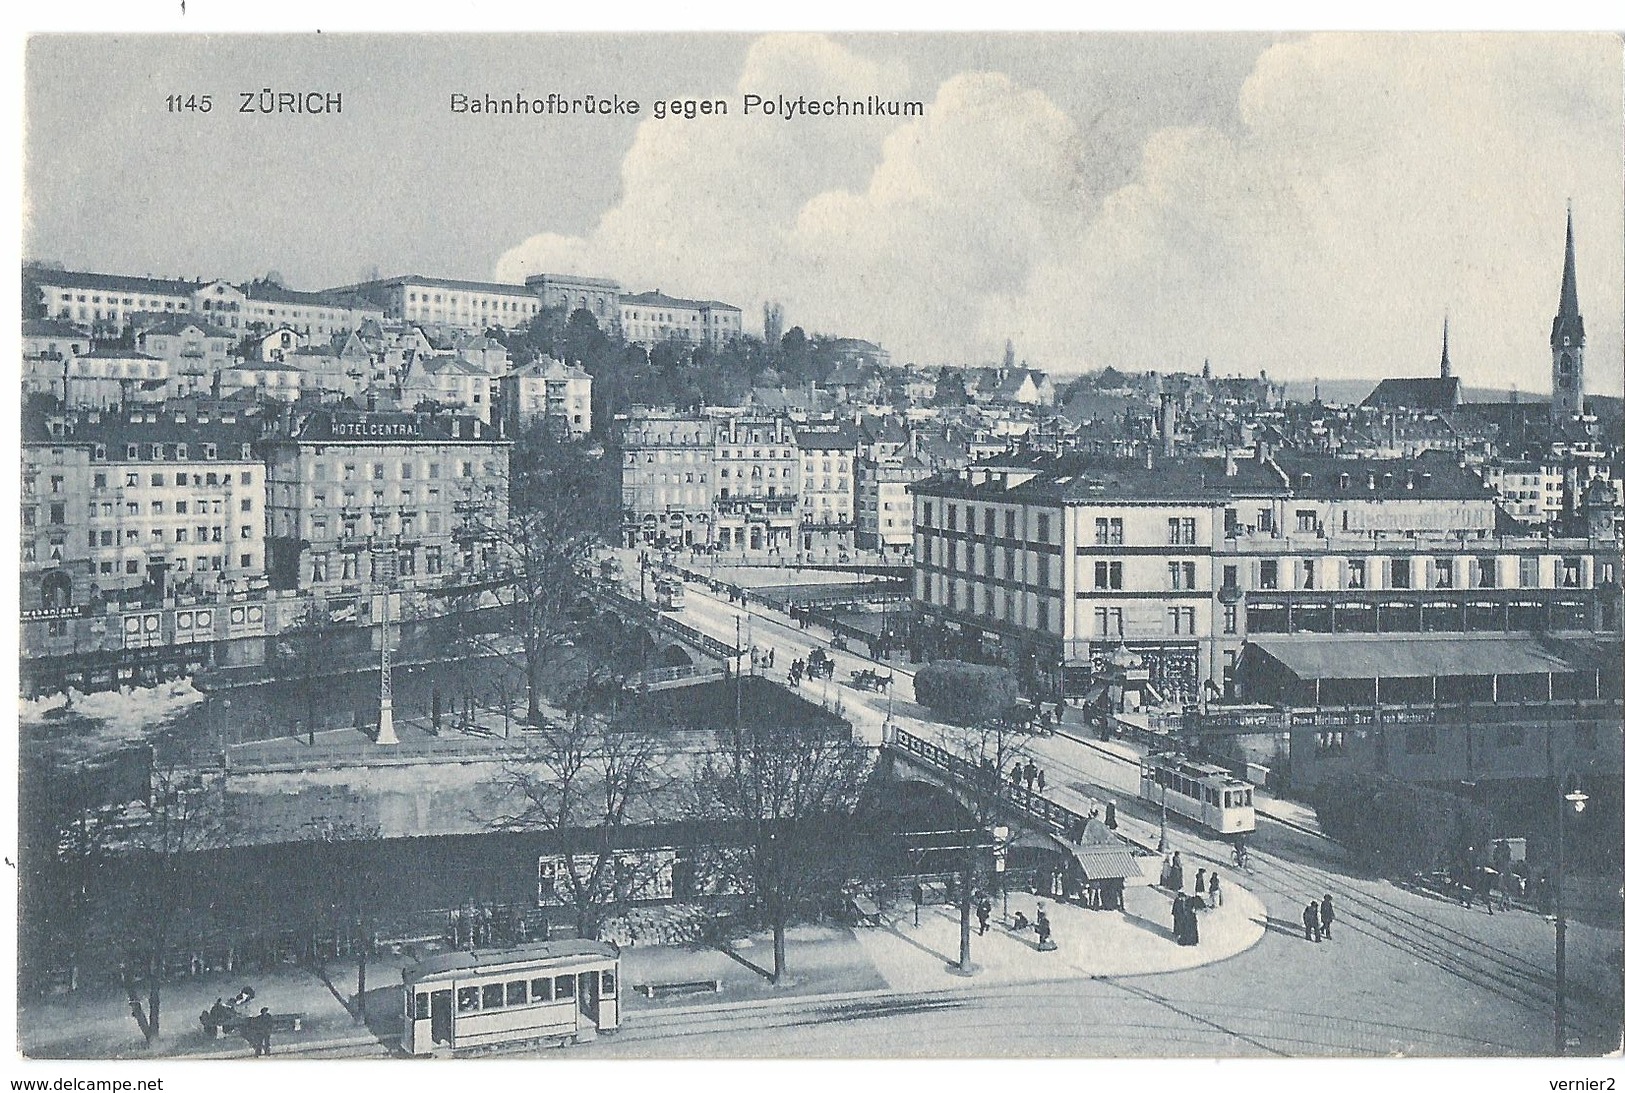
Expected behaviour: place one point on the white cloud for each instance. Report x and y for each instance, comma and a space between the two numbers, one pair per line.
1370, 183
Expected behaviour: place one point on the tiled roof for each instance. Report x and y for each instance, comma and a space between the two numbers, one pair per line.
50, 328
109, 282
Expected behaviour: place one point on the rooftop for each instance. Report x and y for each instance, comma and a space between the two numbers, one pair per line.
1368, 656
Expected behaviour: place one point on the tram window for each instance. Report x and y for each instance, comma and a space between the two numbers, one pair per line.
421, 1010
1247, 798
517, 994
541, 990
491, 996
468, 999
564, 987
606, 981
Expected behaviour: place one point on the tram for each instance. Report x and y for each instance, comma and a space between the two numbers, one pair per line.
563, 990
669, 593
1207, 794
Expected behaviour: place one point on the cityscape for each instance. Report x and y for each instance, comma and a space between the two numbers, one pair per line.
670, 664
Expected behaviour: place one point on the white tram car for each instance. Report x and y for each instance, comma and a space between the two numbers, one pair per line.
1207, 794
566, 990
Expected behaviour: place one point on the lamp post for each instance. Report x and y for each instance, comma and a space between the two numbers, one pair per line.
1162, 823
384, 566
1577, 801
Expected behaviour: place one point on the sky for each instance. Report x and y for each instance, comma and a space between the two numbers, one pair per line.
1306, 205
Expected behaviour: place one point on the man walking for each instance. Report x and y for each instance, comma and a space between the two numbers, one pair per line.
1030, 774
1041, 780
1111, 815
984, 910
1326, 917
259, 1032
1311, 922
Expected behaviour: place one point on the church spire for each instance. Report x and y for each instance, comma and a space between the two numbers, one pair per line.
1444, 354
1568, 327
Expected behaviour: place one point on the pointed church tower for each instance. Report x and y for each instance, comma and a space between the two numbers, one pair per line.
1568, 341
1444, 355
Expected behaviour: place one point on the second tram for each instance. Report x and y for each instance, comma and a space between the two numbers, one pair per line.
1207, 794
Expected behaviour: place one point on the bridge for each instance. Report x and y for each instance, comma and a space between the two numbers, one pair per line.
1037, 820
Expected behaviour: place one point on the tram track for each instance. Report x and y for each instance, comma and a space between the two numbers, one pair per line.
1513, 978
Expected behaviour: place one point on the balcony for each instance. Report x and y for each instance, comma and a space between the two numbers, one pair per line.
757, 506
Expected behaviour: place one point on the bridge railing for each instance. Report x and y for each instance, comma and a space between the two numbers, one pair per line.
1058, 818
665, 622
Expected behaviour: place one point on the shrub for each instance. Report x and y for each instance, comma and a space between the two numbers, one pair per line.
965, 694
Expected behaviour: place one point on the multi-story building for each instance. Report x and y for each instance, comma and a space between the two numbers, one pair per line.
57, 544
651, 317
346, 488
668, 478
1529, 491
548, 390
1057, 561
757, 472
173, 502
195, 350
467, 305
829, 456
109, 304
51, 341
280, 380
885, 509
597, 296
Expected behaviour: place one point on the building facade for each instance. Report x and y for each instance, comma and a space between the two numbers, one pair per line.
757, 480
668, 479
597, 296
467, 305
344, 488
648, 318
549, 391
829, 456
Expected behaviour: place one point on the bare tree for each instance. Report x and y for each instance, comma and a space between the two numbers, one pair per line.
988, 746
788, 796
583, 783
556, 518
352, 887
163, 876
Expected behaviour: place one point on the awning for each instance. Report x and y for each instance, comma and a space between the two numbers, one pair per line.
1107, 864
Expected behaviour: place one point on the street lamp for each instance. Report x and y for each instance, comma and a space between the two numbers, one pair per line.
1576, 800
1162, 824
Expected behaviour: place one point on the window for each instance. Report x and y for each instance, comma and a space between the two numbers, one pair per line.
987, 522
1229, 618
491, 996
518, 992
1268, 575
1229, 576
564, 986
1307, 521
1528, 572
606, 984
1009, 524
1043, 528
1182, 531
1306, 574
1484, 569
1443, 573
1570, 573
1356, 573
1182, 620
1182, 576
1109, 575
541, 990
468, 999
1399, 573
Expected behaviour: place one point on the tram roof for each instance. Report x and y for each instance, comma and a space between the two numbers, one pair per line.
1189, 767
479, 960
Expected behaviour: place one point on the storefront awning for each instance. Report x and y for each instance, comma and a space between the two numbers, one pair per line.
1107, 863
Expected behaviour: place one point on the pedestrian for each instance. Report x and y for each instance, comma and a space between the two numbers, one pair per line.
1176, 874
1015, 776
1030, 774
435, 712
1215, 898
1167, 879
1111, 815
1201, 882
1193, 929
1311, 922
1326, 917
1181, 908
984, 911
1041, 781
770, 653
1041, 924
258, 1032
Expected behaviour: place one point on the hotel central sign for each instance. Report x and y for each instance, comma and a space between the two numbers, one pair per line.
378, 430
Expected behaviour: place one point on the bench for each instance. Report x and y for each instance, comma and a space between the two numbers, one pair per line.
280, 1023
696, 986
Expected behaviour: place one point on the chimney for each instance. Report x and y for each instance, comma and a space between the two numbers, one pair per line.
1229, 464
1261, 449
1165, 423
1371, 480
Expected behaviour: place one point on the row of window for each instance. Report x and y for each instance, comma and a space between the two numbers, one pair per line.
204, 563
159, 480
201, 505
205, 534
349, 565
989, 521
